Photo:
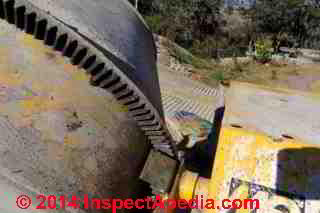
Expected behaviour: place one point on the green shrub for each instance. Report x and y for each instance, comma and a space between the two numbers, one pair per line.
218, 76
154, 22
185, 57
263, 50
182, 55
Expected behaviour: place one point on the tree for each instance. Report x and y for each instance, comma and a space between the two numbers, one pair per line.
183, 21
286, 17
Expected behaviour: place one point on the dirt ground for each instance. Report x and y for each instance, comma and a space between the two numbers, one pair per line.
304, 77
298, 77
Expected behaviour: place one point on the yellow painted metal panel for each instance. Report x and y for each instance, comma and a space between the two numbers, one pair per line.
282, 173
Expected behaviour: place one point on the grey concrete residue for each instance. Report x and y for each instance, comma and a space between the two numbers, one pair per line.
119, 30
65, 138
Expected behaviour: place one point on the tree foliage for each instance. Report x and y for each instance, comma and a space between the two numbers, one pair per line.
183, 21
295, 18
204, 26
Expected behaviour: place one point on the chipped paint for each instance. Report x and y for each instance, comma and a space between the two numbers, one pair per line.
256, 158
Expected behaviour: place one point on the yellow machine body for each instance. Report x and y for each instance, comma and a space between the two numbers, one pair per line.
277, 173
268, 150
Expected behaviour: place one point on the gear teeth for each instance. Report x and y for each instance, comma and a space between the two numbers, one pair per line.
117, 87
163, 137
30, 22
2, 9
100, 76
136, 105
20, 16
155, 133
111, 80
151, 128
139, 112
61, 41
96, 67
43, 27
50, 36
40, 29
130, 99
124, 93
65, 48
144, 117
70, 48
9, 12
148, 123
79, 56
88, 61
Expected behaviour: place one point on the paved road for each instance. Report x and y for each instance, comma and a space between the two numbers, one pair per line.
180, 93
